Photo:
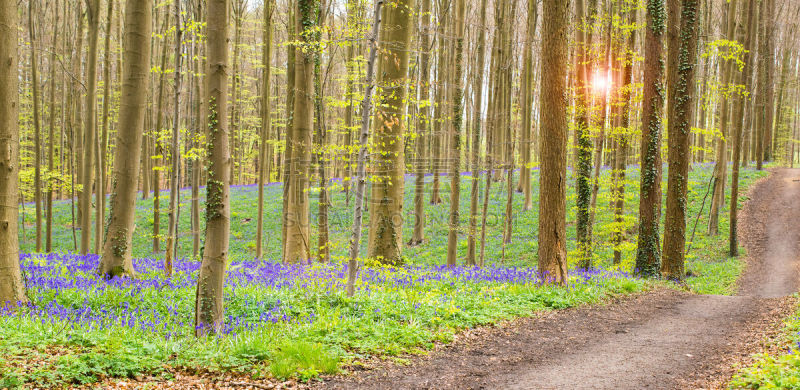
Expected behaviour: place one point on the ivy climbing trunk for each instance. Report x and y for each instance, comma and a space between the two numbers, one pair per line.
648, 254
680, 131
211, 280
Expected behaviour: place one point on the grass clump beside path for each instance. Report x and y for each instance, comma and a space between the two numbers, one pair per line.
779, 370
282, 320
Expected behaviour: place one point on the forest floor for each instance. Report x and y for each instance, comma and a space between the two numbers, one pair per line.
661, 339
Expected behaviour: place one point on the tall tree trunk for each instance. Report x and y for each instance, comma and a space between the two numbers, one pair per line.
680, 131
438, 134
48, 241
623, 145
761, 105
90, 119
209, 313
738, 118
423, 125
721, 167
583, 142
769, 58
648, 255
157, 144
12, 289
386, 211
103, 140
477, 89
175, 157
298, 231
116, 257
361, 168
527, 106
37, 128
266, 123
553, 174
458, 114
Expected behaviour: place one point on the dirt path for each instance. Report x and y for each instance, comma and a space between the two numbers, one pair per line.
660, 340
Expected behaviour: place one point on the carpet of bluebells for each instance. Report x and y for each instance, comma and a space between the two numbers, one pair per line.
295, 320
283, 320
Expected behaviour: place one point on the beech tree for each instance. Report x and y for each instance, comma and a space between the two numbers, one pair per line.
116, 258
682, 93
210, 282
12, 289
648, 254
386, 204
552, 181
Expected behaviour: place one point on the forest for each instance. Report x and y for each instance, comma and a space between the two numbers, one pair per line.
399, 193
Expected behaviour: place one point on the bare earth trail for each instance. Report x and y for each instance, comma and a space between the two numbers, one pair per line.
659, 340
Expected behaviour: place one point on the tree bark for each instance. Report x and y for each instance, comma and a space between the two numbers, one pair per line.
721, 167
552, 250
738, 119
116, 257
648, 255
12, 289
477, 88
680, 130
298, 231
211, 280
266, 123
90, 127
386, 211
458, 114
37, 128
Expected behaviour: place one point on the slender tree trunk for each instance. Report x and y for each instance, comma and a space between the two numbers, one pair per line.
102, 141
623, 145
738, 118
12, 289
90, 119
209, 312
52, 136
648, 255
477, 88
157, 144
298, 234
458, 114
721, 167
527, 107
175, 157
37, 128
583, 143
769, 58
423, 126
361, 168
266, 123
116, 257
552, 180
